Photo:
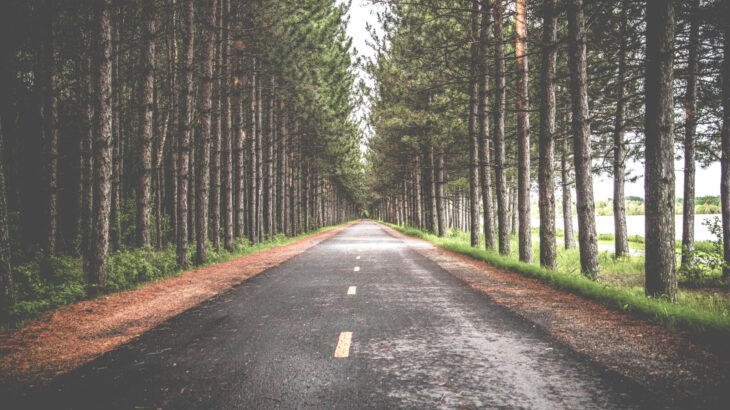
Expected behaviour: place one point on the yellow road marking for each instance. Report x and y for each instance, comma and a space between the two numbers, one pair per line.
343, 345
357, 269
352, 290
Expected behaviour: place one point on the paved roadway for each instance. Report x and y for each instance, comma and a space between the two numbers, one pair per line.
418, 338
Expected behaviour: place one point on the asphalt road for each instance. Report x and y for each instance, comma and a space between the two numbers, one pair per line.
419, 338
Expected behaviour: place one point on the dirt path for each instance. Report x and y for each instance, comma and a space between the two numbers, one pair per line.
665, 362
70, 336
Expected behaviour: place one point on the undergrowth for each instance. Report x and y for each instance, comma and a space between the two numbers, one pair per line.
48, 282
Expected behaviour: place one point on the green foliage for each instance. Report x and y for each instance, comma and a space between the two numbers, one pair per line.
45, 283
709, 319
707, 260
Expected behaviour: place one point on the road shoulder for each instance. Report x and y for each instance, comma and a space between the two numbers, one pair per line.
665, 362
73, 335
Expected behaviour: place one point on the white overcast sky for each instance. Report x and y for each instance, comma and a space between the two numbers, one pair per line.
707, 180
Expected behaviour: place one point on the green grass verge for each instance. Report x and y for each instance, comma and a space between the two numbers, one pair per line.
713, 327
45, 283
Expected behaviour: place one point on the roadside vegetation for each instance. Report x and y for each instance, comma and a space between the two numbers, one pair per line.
701, 309
44, 282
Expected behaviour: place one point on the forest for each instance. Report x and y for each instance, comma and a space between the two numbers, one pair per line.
488, 114
142, 138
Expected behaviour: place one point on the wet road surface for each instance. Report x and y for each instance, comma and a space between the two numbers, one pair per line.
359, 321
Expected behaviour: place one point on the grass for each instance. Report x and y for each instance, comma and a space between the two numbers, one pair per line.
703, 316
44, 283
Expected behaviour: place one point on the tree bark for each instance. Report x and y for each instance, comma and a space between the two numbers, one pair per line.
116, 98
567, 197
661, 277
280, 174
690, 132
582, 144
259, 162
485, 176
6, 274
87, 159
252, 236
432, 190
96, 268
473, 130
548, 253
185, 120
419, 209
202, 177
725, 160
269, 169
523, 133
440, 194
215, 137
226, 132
49, 117
499, 150
239, 139
144, 183
619, 168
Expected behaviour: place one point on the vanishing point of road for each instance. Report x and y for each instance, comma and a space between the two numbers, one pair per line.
361, 320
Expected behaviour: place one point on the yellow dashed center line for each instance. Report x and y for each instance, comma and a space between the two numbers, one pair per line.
357, 269
352, 290
343, 345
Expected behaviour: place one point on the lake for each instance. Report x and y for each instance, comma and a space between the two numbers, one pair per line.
635, 225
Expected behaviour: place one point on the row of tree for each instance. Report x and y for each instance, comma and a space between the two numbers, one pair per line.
171, 122
609, 79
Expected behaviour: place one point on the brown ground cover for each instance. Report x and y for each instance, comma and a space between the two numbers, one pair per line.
70, 336
667, 362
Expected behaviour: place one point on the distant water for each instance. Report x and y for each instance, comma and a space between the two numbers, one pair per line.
635, 225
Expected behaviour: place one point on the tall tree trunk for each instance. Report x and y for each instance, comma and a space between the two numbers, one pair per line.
619, 168
417, 199
191, 184
269, 177
239, 139
202, 177
146, 101
440, 193
567, 197
725, 160
87, 159
690, 131
259, 162
184, 128
215, 137
226, 131
280, 174
499, 150
473, 130
253, 166
96, 269
432, 190
582, 143
49, 116
523, 132
117, 140
6, 274
548, 253
659, 129
485, 176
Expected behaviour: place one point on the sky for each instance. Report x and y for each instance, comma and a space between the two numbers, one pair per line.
707, 181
